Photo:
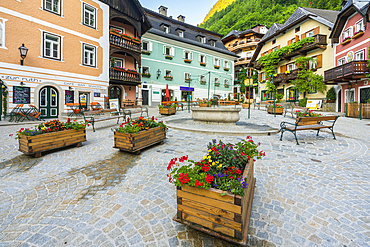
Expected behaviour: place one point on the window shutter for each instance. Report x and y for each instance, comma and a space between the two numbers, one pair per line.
164, 49
172, 51
205, 58
296, 38
199, 58
289, 42
150, 46
278, 47
191, 56
183, 54
316, 30
283, 69
260, 76
270, 51
319, 61
303, 36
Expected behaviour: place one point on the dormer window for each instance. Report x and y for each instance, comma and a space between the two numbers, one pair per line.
212, 42
166, 29
203, 40
181, 34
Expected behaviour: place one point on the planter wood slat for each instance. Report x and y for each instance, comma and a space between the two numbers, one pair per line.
203, 105
167, 111
278, 111
225, 217
245, 105
134, 142
37, 144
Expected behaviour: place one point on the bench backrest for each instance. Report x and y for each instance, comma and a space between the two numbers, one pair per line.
86, 113
315, 119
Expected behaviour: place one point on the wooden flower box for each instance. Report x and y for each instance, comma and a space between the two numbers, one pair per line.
203, 104
224, 216
134, 142
346, 42
167, 111
245, 105
35, 145
278, 111
358, 35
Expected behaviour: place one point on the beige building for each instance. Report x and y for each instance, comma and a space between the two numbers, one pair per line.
304, 22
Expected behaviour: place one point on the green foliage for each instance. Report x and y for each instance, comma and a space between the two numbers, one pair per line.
307, 113
4, 97
303, 102
242, 88
330, 94
139, 124
279, 97
307, 81
244, 14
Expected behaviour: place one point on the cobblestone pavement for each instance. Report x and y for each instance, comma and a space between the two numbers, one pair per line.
314, 194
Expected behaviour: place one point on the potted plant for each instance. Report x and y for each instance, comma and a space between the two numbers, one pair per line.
226, 69
226, 85
202, 64
217, 84
167, 109
275, 109
51, 135
358, 34
187, 60
307, 113
168, 77
215, 194
146, 75
168, 57
203, 82
346, 40
279, 97
146, 52
135, 135
204, 103
216, 66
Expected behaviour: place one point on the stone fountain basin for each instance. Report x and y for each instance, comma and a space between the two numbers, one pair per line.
216, 114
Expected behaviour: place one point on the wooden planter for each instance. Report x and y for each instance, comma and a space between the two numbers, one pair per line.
278, 111
223, 216
358, 35
204, 104
167, 111
245, 105
134, 142
35, 145
346, 42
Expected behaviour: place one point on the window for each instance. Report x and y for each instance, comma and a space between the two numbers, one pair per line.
347, 33
291, 66
202, 58
359, 26
313, 63
168, 50
168, 73
217, 62
145, 70
120, 30
297, 29
216, 80
166, 29
51, 46
89, 16
89, 52
360, 55
341, 61
212, 43
52, 6
310, 33
202, 78
313, 90
202, 39
263, 76
2, 33
274, 42
188, 55
226, 64
187, 76
266, 96
118, 62
291, 95
226, 82
181, 34
145, 46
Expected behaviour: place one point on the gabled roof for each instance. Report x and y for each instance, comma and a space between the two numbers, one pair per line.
350, 7
190, 32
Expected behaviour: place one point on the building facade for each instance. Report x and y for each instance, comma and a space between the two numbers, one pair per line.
192, 61
302, 24
68, 53
349, 71
243, 44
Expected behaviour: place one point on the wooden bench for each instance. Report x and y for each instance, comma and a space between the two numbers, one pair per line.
89, 116
293, 109
263, 103
308, 123
127, 112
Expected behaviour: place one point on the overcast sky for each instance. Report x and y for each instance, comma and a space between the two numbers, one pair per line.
193, 10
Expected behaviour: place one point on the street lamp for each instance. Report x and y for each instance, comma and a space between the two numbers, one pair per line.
158, 73
189, 94
23, 51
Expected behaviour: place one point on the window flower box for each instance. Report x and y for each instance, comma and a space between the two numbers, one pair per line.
217, 84
187, 60
216, 67
168, 78
168, 57
146, 52
203, 64
226, 69
358, 34
226, 85
146, 75
187, 79
346, 40
203, 82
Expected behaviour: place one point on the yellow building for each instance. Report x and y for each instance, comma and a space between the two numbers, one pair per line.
304, 22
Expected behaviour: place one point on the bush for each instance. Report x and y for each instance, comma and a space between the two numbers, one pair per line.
303, 102
279, 97
331, 95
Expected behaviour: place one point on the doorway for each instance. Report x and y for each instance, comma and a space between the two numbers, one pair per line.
115, 92
84, 99
164, 95
350, 96
145, 96
48, 103
339, 97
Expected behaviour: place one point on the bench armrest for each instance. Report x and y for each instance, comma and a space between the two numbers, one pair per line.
283, 124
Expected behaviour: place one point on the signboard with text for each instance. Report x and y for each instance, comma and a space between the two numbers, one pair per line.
70, 96
21, 95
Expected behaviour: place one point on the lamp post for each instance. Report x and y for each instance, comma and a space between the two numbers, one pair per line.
23, 52
189, 94
249, 94
209, 87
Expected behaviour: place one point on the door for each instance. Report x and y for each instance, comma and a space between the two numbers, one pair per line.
48, 103
115, 93
339, 97
84, 99
350, 96
145, 95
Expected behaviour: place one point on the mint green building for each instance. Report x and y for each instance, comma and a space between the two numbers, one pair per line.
183, 55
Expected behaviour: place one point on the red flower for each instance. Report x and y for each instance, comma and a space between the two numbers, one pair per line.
209, 178
197, 183
152, 118
68, 120
183, 178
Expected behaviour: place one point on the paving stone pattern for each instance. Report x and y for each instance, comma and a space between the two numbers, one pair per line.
314, 194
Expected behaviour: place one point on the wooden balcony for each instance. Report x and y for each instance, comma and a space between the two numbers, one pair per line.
347, 72
282, 77
121, 75
243, 44
243, 60
119, 41
319, 42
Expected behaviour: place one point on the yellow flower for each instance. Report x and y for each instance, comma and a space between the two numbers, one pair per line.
217, 162
219, 166
209, 157
213, 163
204, 157
209, 151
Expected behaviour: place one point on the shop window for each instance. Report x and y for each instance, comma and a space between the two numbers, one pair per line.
89, 54
51, 46
291, 95
89, 15
266, 96
52, 6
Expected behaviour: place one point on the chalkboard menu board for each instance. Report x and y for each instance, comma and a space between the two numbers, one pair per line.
21, 95
70, 96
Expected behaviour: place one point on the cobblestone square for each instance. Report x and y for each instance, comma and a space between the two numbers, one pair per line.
313, 194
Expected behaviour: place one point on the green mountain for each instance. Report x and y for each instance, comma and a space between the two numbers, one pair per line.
244, 14
220, 5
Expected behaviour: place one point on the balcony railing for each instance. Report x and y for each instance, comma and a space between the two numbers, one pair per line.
122, 42
243, 60
319, 42
284, 77
243, 44
121, 75
346, 72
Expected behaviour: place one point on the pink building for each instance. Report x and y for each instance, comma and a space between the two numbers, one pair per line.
351, 35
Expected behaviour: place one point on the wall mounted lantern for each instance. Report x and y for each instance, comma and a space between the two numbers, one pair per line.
158, 73
23, 51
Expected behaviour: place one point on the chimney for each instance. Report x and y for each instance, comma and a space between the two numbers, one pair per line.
181, 18
163, 10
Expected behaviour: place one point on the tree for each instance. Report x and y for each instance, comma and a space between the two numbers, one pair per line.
307, 81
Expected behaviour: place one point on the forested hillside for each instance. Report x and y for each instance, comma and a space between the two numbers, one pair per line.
244, 14
220, 5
